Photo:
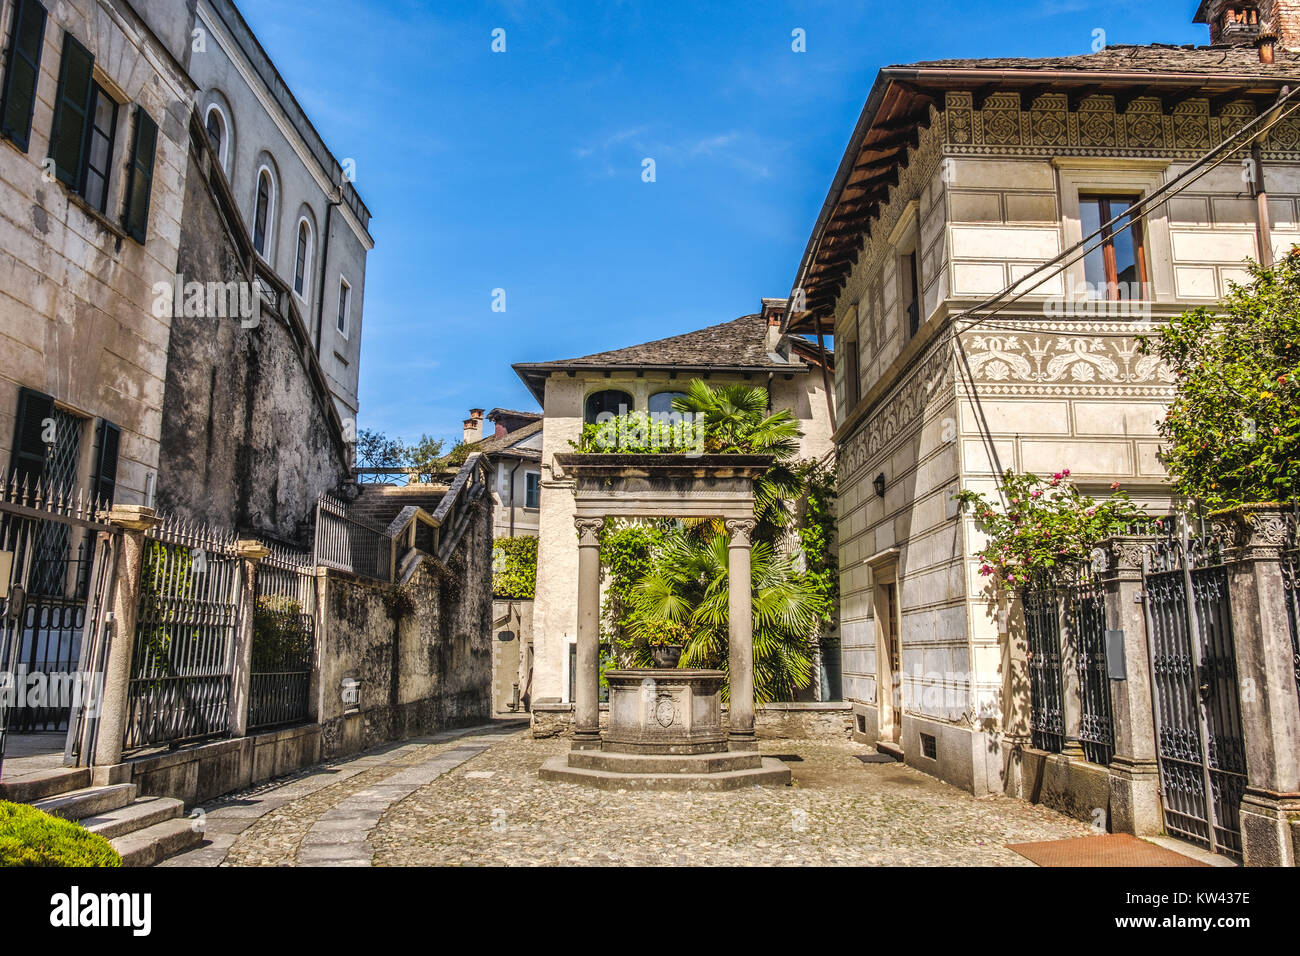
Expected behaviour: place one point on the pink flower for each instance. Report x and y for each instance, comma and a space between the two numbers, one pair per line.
1065, 473
1035, 494
1114, 486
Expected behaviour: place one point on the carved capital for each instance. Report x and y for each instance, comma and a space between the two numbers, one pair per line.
1126, 554
589, 530
740, 529
1255, 532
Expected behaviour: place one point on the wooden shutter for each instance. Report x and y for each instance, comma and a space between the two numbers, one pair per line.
139, 184
103, 478
28, 461
72, 111
23, 72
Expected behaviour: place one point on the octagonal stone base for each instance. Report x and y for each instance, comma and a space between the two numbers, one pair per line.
665, 733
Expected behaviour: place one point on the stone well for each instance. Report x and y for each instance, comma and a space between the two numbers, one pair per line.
665, 733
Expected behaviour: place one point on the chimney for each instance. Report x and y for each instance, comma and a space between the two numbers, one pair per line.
1252, 23
474, 425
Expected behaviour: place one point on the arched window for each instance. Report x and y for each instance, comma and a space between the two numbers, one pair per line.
262, 212
217, 133
662, 402
302, 259
611, 400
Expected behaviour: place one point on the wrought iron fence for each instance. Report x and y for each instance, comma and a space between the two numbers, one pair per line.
1291, 585
1043, 633
346, 544
182, 659
1198, 714
284, 639
1086, 613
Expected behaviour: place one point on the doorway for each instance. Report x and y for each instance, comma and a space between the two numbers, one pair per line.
889, 653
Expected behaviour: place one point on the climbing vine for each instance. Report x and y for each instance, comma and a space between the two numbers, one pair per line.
514, 568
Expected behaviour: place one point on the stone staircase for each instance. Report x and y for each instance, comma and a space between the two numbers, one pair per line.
143, 830
378, 505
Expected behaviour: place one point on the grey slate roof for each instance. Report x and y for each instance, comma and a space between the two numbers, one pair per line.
735, 344
499, 445
1220, 60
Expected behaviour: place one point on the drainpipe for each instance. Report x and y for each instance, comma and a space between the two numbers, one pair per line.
512, 497
1263, 229
324, 270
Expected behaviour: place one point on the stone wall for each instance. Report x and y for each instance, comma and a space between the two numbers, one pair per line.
245, 437
421, 651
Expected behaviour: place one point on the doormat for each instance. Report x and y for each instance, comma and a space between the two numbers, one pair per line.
1112, 849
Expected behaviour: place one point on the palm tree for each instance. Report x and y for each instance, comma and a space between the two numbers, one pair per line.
689, 586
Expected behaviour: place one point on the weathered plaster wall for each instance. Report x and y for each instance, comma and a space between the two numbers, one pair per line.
424, 666
245, 440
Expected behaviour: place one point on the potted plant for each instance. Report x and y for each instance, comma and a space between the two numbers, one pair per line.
666, 640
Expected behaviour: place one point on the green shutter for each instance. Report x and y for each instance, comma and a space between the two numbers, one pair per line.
139, 184
29, 454
103, 479
24, 68
72, 111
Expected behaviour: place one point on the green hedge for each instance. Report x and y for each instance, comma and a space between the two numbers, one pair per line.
29, 837
514, 568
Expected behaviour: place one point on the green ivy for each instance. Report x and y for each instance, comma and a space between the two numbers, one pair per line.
626, 556
1233, 428
1045, 527
817, 535
514, 568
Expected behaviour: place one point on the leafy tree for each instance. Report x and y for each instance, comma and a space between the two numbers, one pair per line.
377, 450
1233, 428
426, 455
514, 567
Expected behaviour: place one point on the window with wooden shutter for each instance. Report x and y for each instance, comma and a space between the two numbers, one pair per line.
139, 185
103, 478
72, 111
23, 59
30, 451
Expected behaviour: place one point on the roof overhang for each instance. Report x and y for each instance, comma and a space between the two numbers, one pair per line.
899, 107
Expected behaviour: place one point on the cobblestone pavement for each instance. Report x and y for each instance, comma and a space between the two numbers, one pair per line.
473, 798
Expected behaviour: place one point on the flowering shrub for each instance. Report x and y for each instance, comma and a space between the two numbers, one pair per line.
1046, 526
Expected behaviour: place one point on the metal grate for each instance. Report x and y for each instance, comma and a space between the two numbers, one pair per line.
284, 639
1291, 586
1043, 631
1087, 617
346, 544
185, 631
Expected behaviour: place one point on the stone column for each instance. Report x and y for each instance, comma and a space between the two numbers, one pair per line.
250, 553
1270, 708
132, 521
586, 696
740, 634
1134, 769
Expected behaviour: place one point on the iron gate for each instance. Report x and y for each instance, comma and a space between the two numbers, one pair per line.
183, 656
1087, 617
48, 539
1194, 675
284, 639
1043, 631
1291, 586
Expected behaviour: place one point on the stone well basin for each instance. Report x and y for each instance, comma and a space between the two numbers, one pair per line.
665, 711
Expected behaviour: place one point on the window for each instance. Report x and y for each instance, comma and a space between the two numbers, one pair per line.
345, 305
532, 489
852, 376
218, 133
661, 403
24, 67
103, 476
611, 401
72, 112
911, 292
262, 213
302, 259
1117, 268
139, 184
27, 462
99, 149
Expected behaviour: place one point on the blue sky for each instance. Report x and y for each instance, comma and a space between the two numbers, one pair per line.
522, 170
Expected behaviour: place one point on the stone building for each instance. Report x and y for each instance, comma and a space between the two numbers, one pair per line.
644, 378
514, 453
304, 214
960, 178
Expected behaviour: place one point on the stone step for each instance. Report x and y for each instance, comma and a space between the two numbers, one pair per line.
664, 763
47, 783
90, 802
142, 813
890, 748
772, 773
156, 843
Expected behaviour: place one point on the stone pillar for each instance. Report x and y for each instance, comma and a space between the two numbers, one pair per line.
740, 634
586, 696
1270, 708
1071, 692
1134, 770
250, 553
132, 521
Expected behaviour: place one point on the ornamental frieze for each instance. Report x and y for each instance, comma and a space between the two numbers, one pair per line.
1143, 129
1057, 357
